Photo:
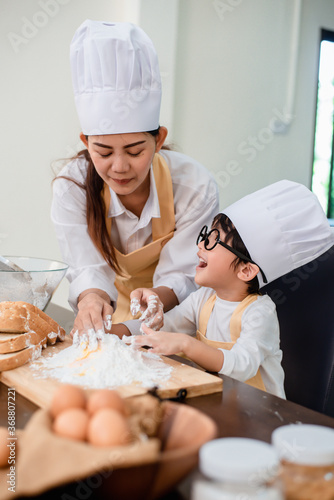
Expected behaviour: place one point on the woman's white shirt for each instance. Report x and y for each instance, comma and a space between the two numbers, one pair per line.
195, 201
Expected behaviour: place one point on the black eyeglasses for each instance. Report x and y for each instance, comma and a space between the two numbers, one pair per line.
211, 239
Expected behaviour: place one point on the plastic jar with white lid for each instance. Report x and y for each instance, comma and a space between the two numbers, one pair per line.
237, 469
307, 461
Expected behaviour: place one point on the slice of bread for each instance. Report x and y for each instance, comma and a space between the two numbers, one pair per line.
13, 342
13, 360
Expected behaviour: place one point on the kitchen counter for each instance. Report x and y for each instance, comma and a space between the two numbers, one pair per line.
240, 410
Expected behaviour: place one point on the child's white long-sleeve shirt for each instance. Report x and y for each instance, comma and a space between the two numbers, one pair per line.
257, 347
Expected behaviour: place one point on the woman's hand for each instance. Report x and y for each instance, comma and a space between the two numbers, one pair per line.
94, 313
146, 301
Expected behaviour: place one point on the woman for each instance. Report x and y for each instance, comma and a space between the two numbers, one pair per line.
125, 209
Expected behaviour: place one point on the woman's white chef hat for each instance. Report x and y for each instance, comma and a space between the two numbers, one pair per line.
116, 78
283, 227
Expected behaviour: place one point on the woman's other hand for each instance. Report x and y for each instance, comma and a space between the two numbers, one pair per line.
146, 301
94, 313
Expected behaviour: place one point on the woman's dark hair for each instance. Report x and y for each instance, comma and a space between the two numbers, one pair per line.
96, 209
233, 238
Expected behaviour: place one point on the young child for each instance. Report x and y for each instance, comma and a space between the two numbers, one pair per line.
258, 239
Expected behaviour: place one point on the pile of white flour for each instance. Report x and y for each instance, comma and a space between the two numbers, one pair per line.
111, 363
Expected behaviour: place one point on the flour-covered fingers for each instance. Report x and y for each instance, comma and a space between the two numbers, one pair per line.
81, 324
135, 306
88, 339
146, 301
80, 339
156, 322
153, 306
107, 323
142, 341
150, 338
153, 314
89, 325
138, 301
94, 311
128, 339
88, 321
161, 342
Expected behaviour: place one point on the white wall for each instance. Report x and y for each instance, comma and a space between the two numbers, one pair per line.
38, 120
225, 69
233, 75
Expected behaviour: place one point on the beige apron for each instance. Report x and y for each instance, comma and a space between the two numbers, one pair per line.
235, 329
138, 266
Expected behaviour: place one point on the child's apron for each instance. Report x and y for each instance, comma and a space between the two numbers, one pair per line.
235, 329
138, 266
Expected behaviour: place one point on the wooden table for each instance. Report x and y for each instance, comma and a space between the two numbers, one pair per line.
240, 410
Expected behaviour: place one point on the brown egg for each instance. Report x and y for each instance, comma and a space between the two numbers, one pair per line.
107, 427
4, 449
72, 424
67, 396
105, 398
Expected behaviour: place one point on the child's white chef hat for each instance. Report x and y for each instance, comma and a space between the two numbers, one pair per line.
283, 227
116, 78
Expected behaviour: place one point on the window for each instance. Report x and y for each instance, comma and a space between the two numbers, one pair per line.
323, 158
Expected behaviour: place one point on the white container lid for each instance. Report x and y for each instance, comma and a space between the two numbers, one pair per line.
304, 444
238, 460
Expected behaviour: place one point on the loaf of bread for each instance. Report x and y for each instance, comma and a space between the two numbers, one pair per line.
24, 331
22, 317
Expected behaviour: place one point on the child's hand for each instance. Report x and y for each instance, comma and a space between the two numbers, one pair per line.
167, 343
161, 342
147, 302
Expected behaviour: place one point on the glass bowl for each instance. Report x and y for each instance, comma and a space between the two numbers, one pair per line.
36, 284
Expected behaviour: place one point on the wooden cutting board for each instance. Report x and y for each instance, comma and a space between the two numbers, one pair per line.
40, 391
